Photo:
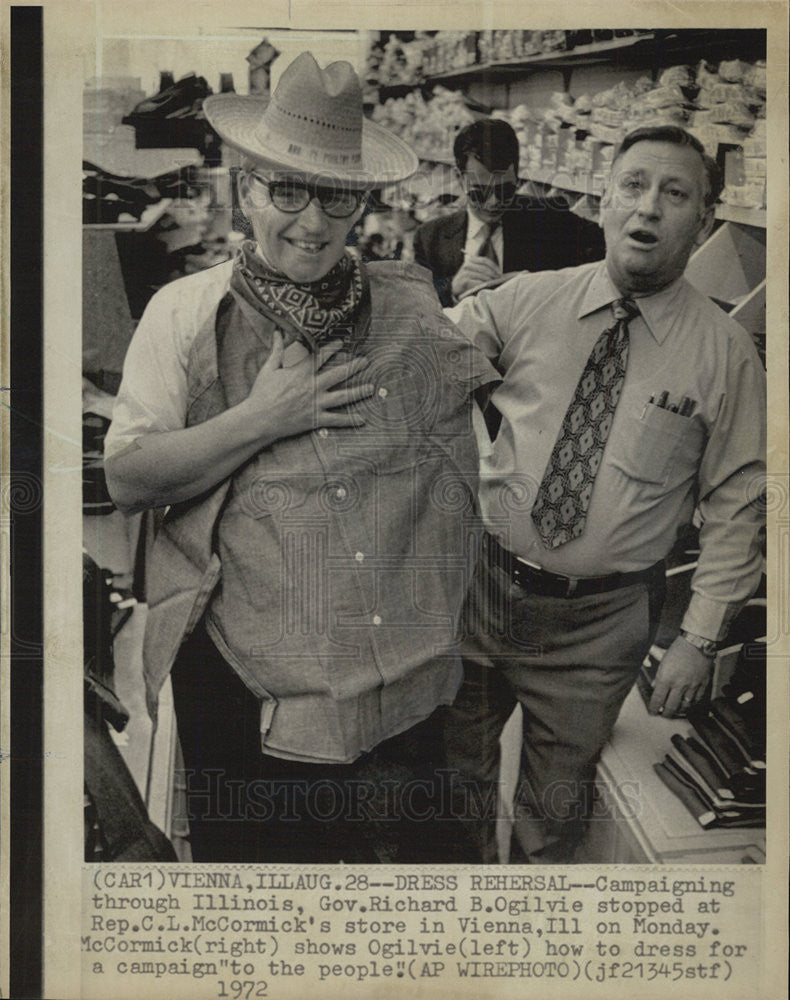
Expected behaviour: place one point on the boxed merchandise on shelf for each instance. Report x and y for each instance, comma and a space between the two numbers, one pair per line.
395, 61
448, 51
567, 137
720, 111
428, 125
506, 45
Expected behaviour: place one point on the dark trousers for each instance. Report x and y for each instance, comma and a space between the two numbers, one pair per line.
569, 663
246, 806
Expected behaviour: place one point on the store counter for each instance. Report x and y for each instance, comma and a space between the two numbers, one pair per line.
638, 819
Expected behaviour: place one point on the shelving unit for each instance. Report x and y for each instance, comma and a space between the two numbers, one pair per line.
593, 185
755, 217
651, 47
151, 215
595, 52
593, 68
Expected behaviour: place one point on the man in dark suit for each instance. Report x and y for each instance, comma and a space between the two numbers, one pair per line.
498, 231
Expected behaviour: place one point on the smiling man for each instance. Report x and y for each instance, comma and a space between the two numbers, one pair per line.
301, 416
629, 399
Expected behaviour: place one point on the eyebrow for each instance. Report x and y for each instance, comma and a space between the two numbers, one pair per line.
640, 171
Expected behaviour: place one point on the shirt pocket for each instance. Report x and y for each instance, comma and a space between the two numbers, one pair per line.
656, 446
392, 439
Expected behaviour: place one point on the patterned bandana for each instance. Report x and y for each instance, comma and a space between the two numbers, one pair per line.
318, 311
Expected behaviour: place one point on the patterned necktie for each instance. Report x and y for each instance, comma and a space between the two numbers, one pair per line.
563, 497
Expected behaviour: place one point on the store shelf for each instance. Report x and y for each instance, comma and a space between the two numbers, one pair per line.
582, 55
594, 186
497, 84
396, 90
151, 215
386, 90
743, 216
653, 50
636, 49
590, 184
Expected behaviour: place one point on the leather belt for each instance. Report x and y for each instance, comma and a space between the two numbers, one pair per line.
540, 581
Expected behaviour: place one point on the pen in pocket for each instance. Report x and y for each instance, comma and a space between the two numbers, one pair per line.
684, 408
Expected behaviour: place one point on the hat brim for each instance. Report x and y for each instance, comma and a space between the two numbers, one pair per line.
386, 158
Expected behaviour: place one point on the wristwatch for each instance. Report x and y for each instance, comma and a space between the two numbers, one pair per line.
706, 646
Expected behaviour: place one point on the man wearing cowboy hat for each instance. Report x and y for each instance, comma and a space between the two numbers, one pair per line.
308, 422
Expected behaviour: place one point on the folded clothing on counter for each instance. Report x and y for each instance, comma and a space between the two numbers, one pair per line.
706, 816
719, 773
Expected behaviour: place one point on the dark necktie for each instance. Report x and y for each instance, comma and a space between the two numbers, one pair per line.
487, 246
563, 497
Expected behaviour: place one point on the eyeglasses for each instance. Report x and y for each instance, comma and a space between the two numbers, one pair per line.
294, 196
480, 194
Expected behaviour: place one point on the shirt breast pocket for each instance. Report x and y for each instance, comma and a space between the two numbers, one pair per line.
658, 446
393, 437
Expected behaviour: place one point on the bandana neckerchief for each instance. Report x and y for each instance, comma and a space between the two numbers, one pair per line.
319, 310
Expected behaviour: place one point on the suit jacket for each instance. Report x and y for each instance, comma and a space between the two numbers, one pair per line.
536, 236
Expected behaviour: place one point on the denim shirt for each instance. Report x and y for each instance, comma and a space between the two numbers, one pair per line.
338, 559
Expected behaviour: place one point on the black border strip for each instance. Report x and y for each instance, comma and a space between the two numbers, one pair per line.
24, 499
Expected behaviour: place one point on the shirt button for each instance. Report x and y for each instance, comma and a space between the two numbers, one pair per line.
383, 392
377, 619
360, 557
323, 432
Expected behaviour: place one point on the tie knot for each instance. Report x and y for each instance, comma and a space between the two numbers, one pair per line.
625, 309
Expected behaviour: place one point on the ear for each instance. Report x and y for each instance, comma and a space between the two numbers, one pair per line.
242, 186
354, 218
707, 219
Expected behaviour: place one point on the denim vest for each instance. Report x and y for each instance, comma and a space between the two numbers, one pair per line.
332, 566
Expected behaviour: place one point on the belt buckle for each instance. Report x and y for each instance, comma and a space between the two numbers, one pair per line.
521, 571
554, 584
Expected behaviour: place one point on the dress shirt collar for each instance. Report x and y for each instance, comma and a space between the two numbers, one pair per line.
477, 234
659, 311
475, 227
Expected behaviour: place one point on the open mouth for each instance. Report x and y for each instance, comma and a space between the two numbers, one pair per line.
307, 246
644, 237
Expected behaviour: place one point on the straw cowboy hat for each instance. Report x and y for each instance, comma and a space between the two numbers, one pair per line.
313, 124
